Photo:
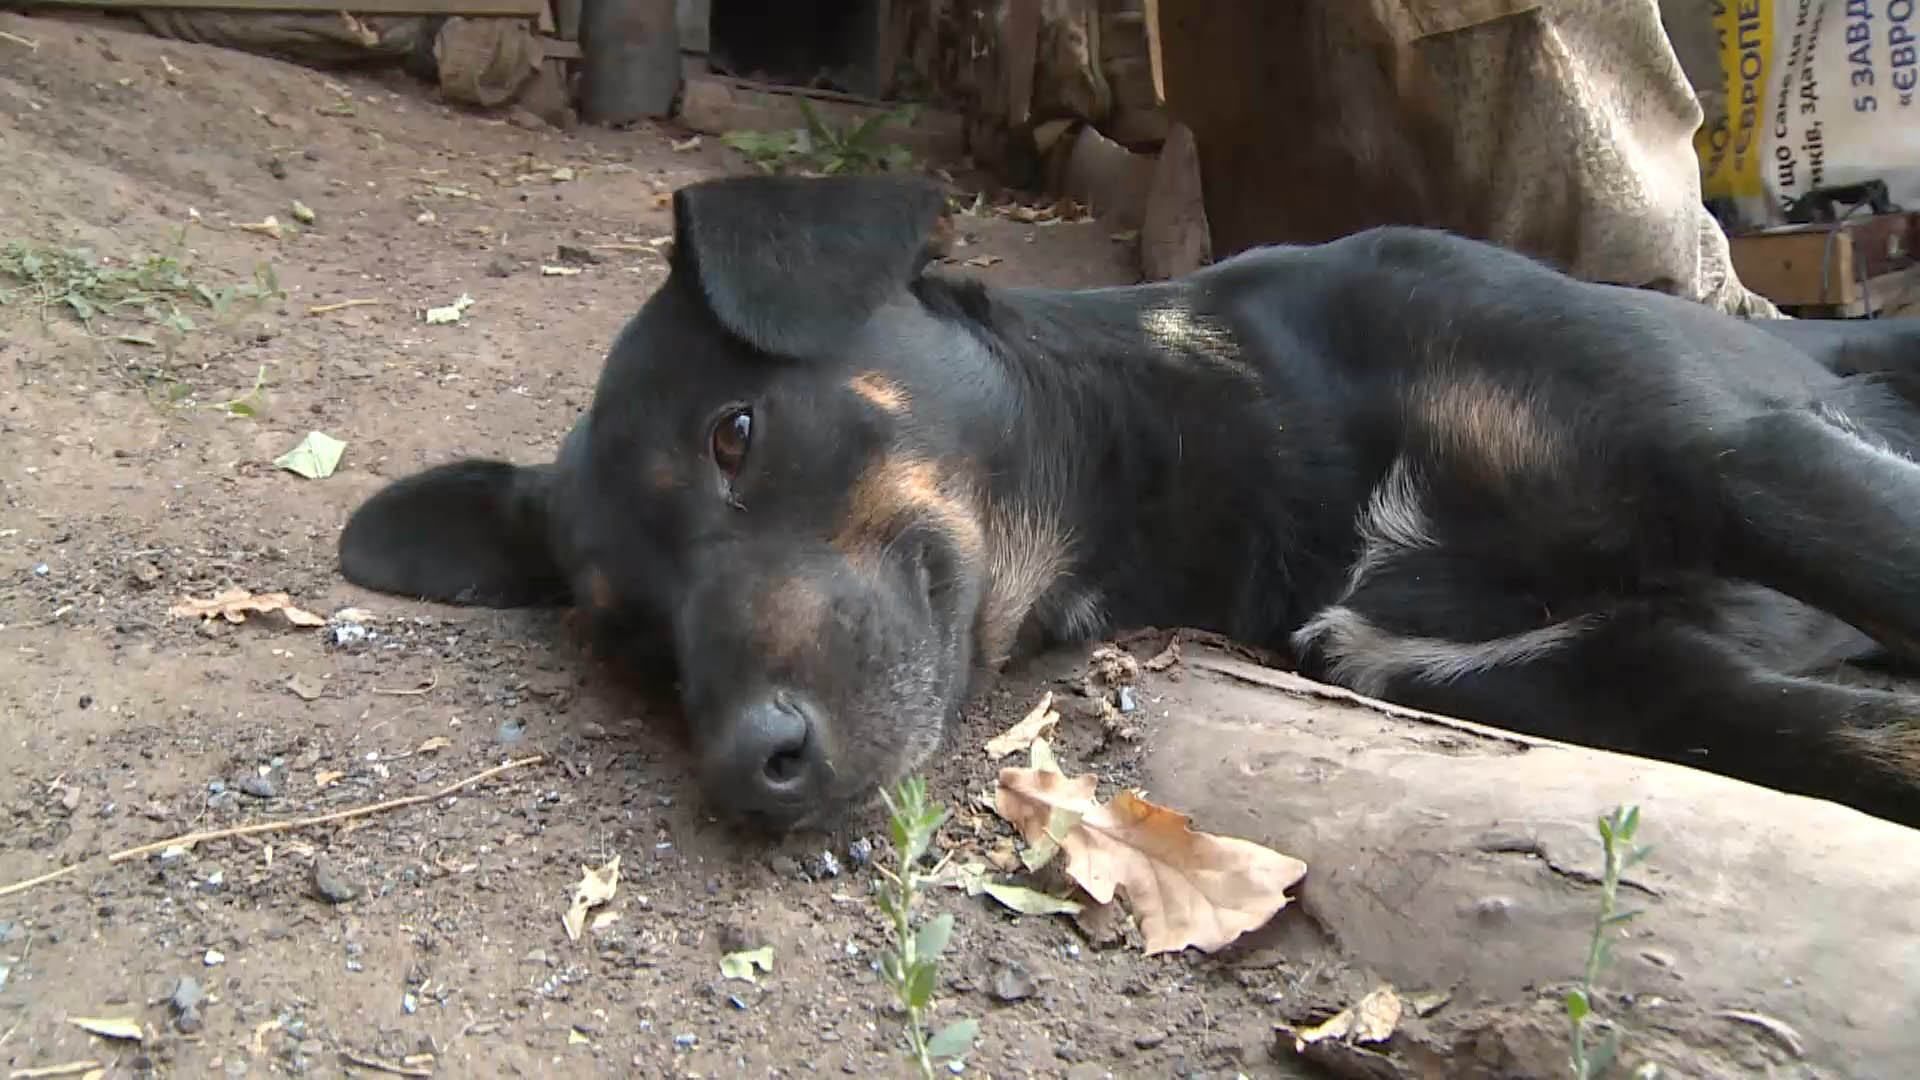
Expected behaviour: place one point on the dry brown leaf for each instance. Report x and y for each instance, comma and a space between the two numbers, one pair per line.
1043, 805
596, 887
1165, 658
326, 778
1021, 735
1373, 1020
438, 742
234, 604
983, 261
110, 1027
1185, 888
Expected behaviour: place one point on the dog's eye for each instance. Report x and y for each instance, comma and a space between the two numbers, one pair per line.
732, 433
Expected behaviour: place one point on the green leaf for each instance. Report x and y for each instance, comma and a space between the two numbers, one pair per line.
315, 457
932, 938
1637, 856
920, 985
81, 306
1601, 1059
953, 1040
1031, 901
1619, 917
1577, 1006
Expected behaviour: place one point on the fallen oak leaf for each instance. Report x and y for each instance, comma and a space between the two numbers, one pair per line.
234, 604
1021, 736
1185, 888
595, 887
1042, 804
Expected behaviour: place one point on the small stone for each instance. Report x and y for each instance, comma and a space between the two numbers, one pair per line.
42, 570
330, 886
214, 958
860, 853
1127, 703
686, 1042
824, 866
86, 701
409, 1004
1149, 1039
188, 1021
1012, 982
510, 733
784, 865
145, 574
260, 787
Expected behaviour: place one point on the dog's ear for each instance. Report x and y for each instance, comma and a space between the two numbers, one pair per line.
792, 265
468, 532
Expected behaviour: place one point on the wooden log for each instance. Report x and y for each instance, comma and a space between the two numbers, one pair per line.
1778, 935
631, 60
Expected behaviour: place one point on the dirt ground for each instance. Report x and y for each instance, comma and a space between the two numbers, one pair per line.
128, 485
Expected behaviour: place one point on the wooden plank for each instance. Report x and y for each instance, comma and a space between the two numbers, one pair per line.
1801, 266
527, 9
1153, 53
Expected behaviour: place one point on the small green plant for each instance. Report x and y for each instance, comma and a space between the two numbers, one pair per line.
1616, 840
911, 962
820, 147
157, 291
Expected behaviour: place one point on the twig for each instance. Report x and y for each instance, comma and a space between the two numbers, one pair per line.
192, 839
24, 42
71, 1068
417, 691
51, 875
328, 309
377, 1065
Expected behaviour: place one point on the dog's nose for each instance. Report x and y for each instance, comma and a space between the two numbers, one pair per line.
774, 768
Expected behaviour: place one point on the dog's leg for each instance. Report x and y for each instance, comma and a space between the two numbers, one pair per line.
1821, 507
1630, 679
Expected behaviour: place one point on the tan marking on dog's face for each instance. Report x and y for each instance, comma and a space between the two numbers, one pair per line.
879, 391
1497, 433
662, 473
600, 595
789, 620
900, 490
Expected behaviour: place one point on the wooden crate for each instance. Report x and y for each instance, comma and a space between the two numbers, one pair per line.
1845, 270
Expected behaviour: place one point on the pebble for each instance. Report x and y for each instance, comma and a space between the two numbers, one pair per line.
824, 866
260, 787
1011, 982
214, 958
1150, 1039
187, 994
860, 853
330, 886
10, 932
686, 1042
510, 732
409, 1004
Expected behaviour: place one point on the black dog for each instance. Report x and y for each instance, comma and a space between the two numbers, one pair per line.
829, 487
